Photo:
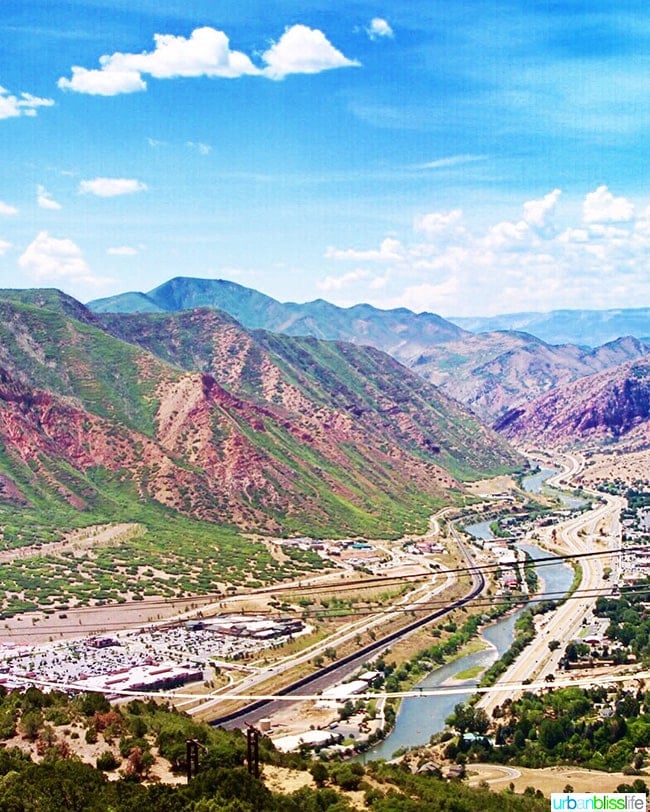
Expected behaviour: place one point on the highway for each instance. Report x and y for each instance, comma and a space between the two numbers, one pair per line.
332, 674
595, 530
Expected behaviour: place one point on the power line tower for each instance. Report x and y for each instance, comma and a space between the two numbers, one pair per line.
192, 757
253, 750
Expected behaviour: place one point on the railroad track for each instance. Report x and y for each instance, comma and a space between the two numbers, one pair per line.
337, 670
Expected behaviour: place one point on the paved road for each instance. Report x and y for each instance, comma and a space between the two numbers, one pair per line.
594, 530
333, 674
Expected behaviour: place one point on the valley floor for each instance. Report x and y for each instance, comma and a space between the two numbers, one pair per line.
548, 779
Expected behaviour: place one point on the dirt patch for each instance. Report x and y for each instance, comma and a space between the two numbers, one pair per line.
629, 467
490, 487
282, 779
297, 717
548, 780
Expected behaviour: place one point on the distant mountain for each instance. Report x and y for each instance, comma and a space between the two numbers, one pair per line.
398, 332
494, 372
608, 407
589, 328
489, 372
194, 413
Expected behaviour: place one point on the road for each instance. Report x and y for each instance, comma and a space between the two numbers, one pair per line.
595, 530
334, 673
412, 602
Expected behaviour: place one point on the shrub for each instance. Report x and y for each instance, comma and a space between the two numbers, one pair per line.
107, 761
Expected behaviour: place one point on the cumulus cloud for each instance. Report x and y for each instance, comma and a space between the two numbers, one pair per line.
540, 261
45, 200
339, 282
536, 212
122, 251
7, 210
303, 50
390, 250
105, 81
379, 29
438, 222
4, 247
49, 259
25, 104
602, 207
111, 187
206, 52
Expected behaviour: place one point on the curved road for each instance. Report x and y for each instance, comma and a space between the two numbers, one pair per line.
595, 530
333, 674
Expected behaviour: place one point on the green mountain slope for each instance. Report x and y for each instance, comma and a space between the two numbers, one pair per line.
193, 413
491, 372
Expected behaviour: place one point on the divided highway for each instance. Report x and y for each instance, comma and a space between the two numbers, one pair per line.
596, 530
331, 674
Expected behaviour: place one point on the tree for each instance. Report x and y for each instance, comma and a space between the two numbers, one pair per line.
571, 653
481, 723
319, 773
468, 718
31, 723
462, 717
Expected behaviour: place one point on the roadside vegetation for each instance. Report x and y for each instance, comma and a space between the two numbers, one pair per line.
60, 753
599, 728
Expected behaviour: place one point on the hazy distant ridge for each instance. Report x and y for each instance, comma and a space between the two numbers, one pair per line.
489, 371
586, 327
319, 318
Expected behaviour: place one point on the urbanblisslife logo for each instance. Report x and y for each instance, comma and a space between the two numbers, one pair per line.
598, 801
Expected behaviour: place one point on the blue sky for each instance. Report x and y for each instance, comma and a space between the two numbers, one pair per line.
466, 158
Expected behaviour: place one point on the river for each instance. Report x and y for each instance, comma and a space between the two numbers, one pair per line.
534, 483
420, 717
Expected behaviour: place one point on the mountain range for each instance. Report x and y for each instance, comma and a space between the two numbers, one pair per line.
491, 372
589, 328
195, 413
608, 409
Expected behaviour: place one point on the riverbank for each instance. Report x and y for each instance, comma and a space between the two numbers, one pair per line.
420, 718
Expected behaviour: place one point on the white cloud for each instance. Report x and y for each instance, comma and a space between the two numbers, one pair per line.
509, 236
7, 210
122, 251
107, 81
303, 50
45, 200
49, 259
438, 222
206, 52
547, 259
390, 250
202, 149
12, 106
450, 161
111, 187
379, 28
4, 247
602, 207
536, 212
339, 282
